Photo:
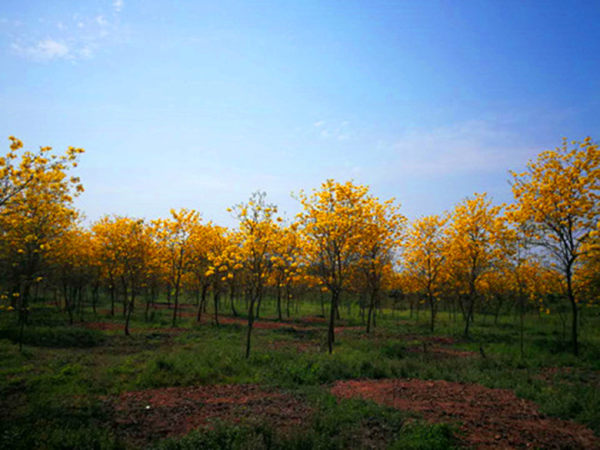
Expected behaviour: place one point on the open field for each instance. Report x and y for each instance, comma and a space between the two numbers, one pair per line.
190, 386
299, 225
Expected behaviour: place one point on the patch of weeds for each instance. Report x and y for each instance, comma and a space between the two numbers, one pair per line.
55, 336
421, 436
222, 436
60, 425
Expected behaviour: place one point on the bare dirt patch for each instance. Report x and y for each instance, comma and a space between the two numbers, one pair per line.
145, 416
490, 418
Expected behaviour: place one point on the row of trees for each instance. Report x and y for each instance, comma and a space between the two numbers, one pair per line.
343, 240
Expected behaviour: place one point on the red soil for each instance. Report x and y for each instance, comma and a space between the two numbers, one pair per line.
268, 324
145, 416
491, 418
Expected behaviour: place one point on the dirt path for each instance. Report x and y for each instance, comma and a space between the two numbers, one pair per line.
491, 418
147, 416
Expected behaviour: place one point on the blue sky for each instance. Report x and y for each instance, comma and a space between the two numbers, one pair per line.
197, 104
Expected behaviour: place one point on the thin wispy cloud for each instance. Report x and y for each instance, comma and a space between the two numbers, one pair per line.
74, 38
470, 146
44, 50
118, 5
338, 131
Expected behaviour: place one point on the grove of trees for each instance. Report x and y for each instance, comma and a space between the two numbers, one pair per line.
344, 244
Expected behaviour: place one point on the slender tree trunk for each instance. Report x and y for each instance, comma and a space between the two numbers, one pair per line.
521, 322
469, 316
253, 299
232, 300
279, 302
250, 324
23, 304
258, 302
147, 310
371, 307
176, 303
433, 312
112, 300
201, 304
216, 295
331, 329
575, 312
129, 308
94, 298
68, 305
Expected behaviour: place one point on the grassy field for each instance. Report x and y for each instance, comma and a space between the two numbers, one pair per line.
68, 387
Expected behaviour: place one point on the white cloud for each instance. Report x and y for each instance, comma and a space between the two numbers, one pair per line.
85, 52
44, 50
118, 5
76, 37
471, 146
339, 132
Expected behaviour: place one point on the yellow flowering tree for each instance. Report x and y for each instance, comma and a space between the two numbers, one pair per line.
174, 236
473, 235
424, 256
333, 224
36, 198
381, 235
557, 198
256, 242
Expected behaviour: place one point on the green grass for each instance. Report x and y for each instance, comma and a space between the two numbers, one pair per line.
53, 391
334, 425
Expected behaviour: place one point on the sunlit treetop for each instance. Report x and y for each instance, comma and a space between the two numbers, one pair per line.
558, 196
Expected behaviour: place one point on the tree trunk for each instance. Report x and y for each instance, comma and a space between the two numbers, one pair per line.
23, 302
176, 304
129, 309
232, 300
370, 313
112, 299
433, 312
331, 329
279, 302
258, 302
250, 323
575, 312
216, 294
201, 304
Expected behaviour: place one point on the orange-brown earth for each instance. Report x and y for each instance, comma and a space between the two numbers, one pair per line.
489, 418
146, 416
